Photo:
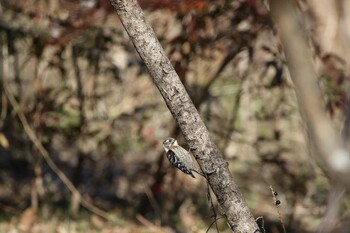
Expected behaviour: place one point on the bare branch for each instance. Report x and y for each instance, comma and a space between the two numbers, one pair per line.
179, 103
330, 217
333, 157
45, 154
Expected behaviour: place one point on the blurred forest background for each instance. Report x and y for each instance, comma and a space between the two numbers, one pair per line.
75, 94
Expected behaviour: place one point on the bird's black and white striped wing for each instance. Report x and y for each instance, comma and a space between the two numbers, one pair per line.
173, 157
186, 158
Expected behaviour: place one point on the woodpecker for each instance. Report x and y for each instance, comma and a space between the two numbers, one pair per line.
179, 157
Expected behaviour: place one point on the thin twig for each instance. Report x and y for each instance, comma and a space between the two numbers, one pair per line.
215, 221
153, 227
45, 154
277, 205
212, 208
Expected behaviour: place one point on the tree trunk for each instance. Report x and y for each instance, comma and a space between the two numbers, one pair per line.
184, 112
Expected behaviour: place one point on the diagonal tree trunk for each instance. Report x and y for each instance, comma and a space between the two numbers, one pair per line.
187, 117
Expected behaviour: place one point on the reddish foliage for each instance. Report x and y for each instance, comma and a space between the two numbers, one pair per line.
180, 6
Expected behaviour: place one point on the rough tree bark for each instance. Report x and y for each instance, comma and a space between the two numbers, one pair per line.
184, 112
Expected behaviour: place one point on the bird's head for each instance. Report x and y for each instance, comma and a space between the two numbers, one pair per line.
169, 143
